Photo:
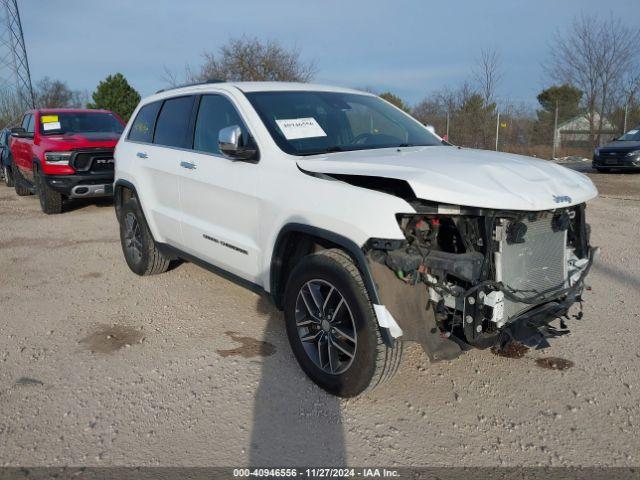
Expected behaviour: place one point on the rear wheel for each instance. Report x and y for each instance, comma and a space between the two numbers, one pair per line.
20, 183
332, 327
139, 247
50, 200
8, 175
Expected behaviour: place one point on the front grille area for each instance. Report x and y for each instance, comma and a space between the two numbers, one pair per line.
534, 266
615, 157
97, 160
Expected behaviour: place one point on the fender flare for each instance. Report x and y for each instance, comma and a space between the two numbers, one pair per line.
117, 193
355, 252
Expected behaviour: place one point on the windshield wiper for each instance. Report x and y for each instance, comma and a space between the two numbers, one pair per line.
332, 149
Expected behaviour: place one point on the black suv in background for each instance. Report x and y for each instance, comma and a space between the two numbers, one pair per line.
623, 153
5, 157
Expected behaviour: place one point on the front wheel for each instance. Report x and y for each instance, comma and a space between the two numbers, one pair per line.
332, 326
50, 200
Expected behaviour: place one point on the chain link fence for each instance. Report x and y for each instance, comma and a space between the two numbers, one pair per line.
511, 131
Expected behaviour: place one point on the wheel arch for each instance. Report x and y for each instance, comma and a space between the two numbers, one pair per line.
122, 192
296, 240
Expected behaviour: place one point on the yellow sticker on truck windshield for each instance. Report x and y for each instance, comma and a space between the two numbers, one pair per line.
49, 118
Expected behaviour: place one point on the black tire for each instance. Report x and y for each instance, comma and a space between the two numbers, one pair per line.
50, 200
8, 175
138, 246
373, 362
20, 183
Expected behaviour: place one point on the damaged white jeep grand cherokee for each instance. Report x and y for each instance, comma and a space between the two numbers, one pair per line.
363, 226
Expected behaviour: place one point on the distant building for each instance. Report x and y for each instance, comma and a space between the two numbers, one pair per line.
575, 132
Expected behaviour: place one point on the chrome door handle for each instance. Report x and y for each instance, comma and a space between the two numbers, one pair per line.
188, 165
141, 155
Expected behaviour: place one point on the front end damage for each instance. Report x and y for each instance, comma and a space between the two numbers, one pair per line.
470, 277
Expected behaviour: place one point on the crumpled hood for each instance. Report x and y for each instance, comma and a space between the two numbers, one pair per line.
460, 176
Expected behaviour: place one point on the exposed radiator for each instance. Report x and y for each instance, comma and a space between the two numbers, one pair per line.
534, 266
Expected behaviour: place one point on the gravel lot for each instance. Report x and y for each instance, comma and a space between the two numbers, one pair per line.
101, 367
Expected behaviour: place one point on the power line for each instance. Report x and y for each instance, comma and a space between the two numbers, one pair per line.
14, 65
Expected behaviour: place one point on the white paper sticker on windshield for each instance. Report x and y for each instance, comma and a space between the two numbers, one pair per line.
295, 128
632, 132
51, 126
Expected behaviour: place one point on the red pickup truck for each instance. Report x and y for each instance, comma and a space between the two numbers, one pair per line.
65, 153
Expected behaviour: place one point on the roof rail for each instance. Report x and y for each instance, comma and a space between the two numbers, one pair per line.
211, 80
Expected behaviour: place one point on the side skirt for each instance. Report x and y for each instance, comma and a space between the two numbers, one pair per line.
176, 253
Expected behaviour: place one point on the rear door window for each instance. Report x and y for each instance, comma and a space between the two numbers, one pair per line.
173, 125
143, 125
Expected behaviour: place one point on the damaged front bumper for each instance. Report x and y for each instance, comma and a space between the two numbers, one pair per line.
507, 281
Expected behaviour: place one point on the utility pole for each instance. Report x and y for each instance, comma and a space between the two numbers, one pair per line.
14, 65
626, 113
447, 125
555, 132
497, 130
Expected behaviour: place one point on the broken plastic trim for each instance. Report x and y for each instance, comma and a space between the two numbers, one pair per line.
386, 320
458, 279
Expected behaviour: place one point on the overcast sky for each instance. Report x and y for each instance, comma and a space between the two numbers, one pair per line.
410, 47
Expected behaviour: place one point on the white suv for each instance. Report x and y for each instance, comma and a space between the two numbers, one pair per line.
361, 224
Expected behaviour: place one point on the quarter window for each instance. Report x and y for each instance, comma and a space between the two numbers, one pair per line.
31, 124
142, 128
25, 121
215, 113
172, 128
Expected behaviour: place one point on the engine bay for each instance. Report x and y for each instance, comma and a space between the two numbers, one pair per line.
491, 276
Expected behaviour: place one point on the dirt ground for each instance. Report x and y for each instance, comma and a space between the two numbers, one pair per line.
101, 367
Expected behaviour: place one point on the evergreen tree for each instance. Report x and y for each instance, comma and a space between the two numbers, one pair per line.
395, 100
114, 93
567, 98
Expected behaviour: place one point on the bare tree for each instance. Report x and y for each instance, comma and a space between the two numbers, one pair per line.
52, 93
595, 55
629, 89
251, 59
488, 74
11, 108
172, 79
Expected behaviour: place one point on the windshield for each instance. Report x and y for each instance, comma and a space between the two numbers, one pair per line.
631, 136
307, 123
79, 122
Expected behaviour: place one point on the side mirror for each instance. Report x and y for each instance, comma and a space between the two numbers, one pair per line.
20, 132
232, 144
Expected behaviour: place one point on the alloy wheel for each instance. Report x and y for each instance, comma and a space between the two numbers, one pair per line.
132, 236
326, 326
